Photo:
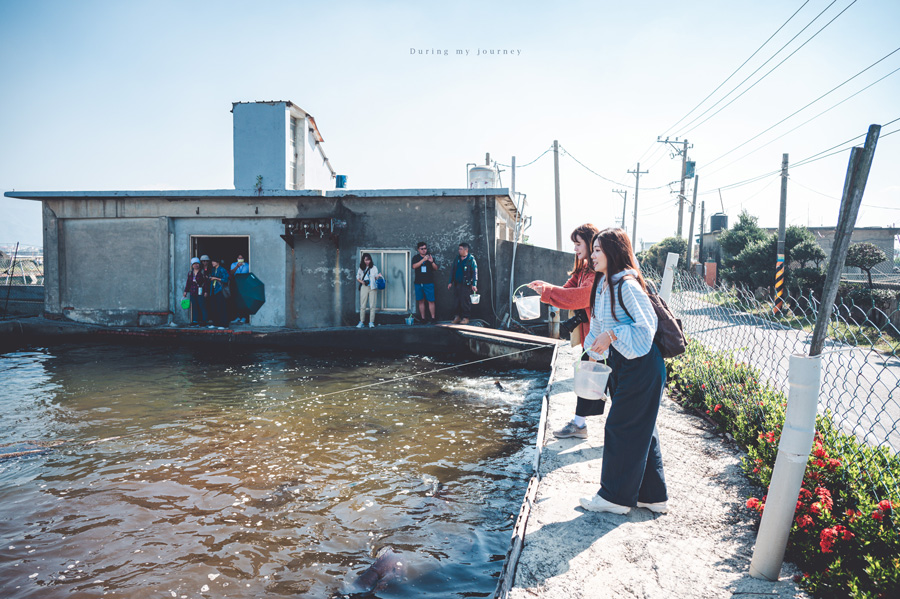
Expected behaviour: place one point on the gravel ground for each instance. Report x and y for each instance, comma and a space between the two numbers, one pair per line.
701, 548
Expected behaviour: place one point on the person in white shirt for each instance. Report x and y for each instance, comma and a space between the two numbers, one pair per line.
623, 323
366, 276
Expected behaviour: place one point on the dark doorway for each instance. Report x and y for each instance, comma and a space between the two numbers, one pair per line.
225, 248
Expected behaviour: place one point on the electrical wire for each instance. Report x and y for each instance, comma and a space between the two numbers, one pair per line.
770, 71
739, 68
567, 153
528, 164
797, 127
810, 104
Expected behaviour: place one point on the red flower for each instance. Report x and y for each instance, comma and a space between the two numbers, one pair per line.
752, 503
820, 453
827, 539
815, 508
805, 493
804, 521
877, 515
717, 408
885, 505
819, 463
833, 463
824, 496
703, 386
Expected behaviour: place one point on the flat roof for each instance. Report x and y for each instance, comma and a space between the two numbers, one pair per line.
249, 193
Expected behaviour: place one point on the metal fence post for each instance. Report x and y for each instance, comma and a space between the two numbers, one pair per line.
804, 376
665, 290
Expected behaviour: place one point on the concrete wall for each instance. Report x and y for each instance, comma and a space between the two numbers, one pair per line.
109, 269
386, 222
261, 144
267, 260
532, 263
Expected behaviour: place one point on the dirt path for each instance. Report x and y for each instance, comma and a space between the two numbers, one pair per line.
701, 548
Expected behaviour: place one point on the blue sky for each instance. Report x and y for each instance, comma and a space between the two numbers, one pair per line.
136, 95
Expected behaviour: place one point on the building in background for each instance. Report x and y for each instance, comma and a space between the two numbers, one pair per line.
122, 257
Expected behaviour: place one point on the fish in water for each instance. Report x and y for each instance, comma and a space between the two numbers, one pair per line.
388, 567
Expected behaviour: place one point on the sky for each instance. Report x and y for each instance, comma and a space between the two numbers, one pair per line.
128, 95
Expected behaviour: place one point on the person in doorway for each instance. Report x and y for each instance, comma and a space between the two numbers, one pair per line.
366, 276
463, 282
204, 303
423, 265
196, 287
623, 323
218, 280
576, 295
238, 267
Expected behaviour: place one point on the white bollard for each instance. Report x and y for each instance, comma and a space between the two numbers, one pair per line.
804, 378
665, 290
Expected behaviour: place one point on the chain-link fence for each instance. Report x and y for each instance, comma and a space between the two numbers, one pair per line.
18, 270
860, 392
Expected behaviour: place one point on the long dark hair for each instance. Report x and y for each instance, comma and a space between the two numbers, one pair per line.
616, 246
362, 261
586, 232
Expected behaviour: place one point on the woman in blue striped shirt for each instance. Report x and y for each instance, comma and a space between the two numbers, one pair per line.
623, 324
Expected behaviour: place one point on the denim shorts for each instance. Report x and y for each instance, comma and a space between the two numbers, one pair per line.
425, 291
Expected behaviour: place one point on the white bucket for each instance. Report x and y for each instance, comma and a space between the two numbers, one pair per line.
590, 379
529, 307
475, 298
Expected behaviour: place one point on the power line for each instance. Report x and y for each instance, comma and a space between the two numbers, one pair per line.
764, 64
811, 103
518, 166
740, 67
768, 143
567, 153
652, 145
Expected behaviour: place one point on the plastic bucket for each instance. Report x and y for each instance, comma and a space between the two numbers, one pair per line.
475, 298
185, 303
410, 320
529, 307
590, 379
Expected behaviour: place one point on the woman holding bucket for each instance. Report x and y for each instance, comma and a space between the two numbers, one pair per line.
623, 323
576, 295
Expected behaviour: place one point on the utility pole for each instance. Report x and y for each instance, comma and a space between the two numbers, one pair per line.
624, 194
683, 153
690, 245
782, 216
637, 185
700, 250
556, 186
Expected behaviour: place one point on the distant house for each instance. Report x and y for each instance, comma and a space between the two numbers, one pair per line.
122, 257
883, 237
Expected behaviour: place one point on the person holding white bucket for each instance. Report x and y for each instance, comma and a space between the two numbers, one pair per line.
623, 323
576, 295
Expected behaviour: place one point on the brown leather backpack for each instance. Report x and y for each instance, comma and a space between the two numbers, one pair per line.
669, 337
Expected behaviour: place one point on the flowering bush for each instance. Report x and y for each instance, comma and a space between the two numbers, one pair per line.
844, 537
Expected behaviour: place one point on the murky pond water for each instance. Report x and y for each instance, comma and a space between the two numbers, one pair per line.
235, 476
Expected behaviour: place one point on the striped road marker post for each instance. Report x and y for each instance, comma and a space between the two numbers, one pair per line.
779, 283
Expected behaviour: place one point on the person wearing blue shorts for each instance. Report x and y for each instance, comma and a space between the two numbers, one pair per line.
423, 265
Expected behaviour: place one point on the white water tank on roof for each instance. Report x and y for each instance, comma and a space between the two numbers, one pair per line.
483, 176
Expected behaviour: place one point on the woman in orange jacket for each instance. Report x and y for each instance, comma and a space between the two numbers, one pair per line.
576, 295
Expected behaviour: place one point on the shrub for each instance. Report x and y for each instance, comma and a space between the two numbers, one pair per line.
844, 536
865, 256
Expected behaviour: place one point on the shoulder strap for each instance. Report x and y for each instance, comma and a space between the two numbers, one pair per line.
622, 303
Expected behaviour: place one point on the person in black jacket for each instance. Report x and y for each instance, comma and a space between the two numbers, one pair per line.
463, 282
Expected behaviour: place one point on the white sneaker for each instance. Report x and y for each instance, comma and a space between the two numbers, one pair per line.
212, 326
598, 504
371, 325
360, 325
221, 328
659, 507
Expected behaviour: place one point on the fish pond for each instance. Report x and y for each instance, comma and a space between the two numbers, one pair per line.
188, 472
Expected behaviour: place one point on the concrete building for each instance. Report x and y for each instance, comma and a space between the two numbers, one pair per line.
122, 257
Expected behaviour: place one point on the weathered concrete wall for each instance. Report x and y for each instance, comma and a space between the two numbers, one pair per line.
532, 263
267, 260
21, 300
109, 269
261, 144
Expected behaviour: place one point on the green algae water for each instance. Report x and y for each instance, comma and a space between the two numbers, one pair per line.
186, 473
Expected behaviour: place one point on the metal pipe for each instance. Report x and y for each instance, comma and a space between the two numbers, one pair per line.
804, 378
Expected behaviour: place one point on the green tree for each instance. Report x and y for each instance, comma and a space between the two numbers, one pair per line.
655, 255
808, 253
742, 234
865, 256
